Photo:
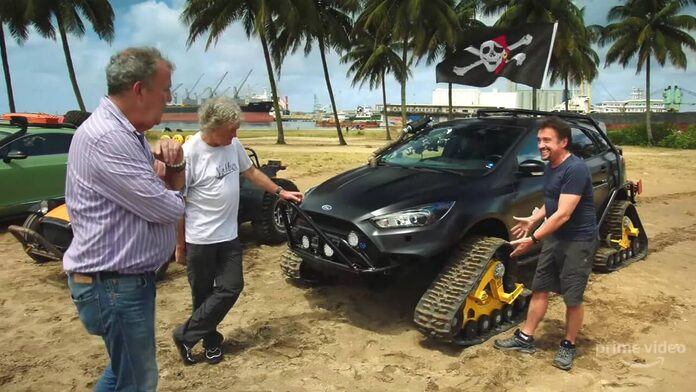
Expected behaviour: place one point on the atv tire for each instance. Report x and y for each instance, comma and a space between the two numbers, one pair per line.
269, 227
297, 272
75, 117
33, 223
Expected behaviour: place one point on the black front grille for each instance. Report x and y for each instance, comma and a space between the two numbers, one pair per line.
337, 230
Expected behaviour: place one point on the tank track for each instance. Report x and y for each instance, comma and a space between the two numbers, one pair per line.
609, 257
290, 263
438, 307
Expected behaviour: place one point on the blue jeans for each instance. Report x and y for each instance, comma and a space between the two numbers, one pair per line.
122, 311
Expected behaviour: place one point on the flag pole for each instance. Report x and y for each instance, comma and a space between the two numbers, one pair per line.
548, 59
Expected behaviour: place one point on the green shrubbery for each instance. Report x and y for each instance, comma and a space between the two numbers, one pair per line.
664, 135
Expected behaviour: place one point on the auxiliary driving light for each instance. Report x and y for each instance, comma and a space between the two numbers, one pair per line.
305, 242
353, 239
328, 251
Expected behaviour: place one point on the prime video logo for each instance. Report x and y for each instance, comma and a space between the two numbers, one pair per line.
654, 348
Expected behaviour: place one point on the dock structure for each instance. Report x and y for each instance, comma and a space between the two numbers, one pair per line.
437, 112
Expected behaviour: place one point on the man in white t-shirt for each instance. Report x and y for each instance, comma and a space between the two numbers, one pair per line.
207, 236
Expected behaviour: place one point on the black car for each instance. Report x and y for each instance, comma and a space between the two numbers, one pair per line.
447, 194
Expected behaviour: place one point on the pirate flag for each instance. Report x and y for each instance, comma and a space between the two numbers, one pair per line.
520, 54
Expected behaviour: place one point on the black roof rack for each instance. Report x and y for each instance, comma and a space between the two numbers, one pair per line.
526, 112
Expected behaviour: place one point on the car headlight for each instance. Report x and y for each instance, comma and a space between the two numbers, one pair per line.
413, 217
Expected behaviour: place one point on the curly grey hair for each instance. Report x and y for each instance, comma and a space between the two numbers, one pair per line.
132, 65
217, 112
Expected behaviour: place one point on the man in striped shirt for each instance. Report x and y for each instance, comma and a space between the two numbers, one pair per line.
123, 200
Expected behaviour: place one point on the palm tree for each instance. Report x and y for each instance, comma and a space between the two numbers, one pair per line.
12, 14
411, 22
439, 47
570, 24
214, 16
372, 59
66, 14
326, 21
649, 29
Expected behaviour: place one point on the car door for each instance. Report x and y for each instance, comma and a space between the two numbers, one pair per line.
529, 189
39, 176
584, 146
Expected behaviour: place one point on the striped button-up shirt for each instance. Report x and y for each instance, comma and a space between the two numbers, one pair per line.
122, 215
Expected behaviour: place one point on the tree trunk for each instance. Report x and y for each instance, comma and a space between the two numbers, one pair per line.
6, 70
534, 99
68, 60
404, 56
384, 102
274, 92
450, 116
341, 140
648, 109
565, 92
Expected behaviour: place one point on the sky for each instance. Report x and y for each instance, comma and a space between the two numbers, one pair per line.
41, 84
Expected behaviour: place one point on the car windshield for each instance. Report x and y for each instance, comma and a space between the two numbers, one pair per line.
472, 149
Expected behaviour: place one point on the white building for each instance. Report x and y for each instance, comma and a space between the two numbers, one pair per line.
522, 99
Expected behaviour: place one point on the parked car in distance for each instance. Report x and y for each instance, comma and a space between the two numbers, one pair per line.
33, 159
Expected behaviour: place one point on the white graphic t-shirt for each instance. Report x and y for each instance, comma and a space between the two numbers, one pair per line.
212, 189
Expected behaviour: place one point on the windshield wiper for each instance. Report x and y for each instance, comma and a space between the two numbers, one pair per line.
435, 169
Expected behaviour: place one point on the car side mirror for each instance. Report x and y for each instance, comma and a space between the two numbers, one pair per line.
532, 167
14, 154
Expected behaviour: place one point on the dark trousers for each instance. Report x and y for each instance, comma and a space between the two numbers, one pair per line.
216, 278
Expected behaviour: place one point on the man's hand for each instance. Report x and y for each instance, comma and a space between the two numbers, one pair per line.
521, 246
180, 255
524, 226
168, 151
295, 197
160, 169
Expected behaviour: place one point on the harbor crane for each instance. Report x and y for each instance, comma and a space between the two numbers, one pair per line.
238, 89
188, 100
213, 90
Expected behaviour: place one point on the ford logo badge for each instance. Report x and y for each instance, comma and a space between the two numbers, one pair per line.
326, 207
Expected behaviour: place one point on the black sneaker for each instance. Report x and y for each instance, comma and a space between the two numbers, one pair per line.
565, 356
516, 342
213, 354
184, 351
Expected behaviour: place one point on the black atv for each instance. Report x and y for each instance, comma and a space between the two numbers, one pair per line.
46, 233
261, 208
447, 194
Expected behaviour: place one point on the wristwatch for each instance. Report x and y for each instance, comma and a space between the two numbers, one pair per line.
279, 189
534, 239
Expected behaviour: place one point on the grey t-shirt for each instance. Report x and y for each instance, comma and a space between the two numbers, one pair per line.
571, 177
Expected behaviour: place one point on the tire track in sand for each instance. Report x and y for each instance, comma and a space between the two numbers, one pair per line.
672, 237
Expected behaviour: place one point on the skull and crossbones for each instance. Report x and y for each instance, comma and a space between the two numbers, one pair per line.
494, 55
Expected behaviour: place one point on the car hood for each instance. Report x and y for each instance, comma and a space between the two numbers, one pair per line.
358, 193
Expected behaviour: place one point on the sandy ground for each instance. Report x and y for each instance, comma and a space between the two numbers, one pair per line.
638, 336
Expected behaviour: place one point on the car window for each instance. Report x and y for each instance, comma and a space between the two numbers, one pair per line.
582, 145
529, 149
474, 147
602, 144
43, 144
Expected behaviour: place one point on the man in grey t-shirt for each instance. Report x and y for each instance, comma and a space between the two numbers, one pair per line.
570, 241
207, 241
